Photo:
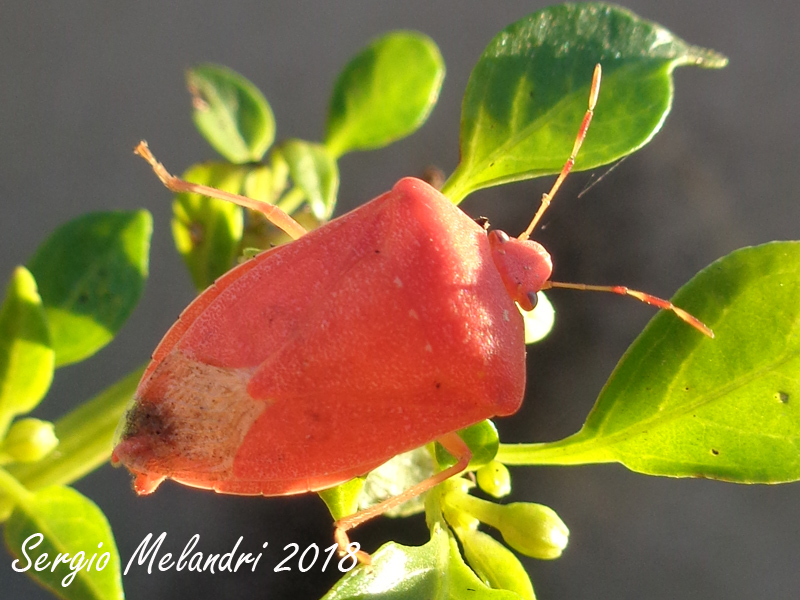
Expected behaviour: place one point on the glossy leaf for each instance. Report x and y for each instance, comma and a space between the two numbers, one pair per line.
26, 356
482, 440
66, 522
385, 92
315, 172
528, 93
91, 273
231, 113
206, 230
495, 564
434, 571
683, 405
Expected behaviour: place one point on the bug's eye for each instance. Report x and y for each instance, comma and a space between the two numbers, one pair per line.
523, 266
533, 298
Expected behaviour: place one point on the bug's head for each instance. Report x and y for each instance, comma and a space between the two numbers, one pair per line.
524, 266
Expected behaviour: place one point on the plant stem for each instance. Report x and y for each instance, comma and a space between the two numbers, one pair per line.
12, 488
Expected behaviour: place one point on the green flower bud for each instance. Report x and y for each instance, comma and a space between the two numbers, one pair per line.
495, 564
534, 530
494, 479
29, 440
531, 529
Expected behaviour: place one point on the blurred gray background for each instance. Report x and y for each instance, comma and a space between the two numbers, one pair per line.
81, 83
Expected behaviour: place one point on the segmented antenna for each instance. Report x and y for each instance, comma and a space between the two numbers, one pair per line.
587, 118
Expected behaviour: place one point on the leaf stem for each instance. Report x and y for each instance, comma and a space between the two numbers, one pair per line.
573, 450
453, 188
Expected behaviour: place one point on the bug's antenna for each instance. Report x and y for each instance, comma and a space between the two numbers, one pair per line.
587, 118
642, 296
274, 214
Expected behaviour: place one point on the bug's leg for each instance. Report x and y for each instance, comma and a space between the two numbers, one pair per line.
646, 298
274, 214
453, 444
587, 118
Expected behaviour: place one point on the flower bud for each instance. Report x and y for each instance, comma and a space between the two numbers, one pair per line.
29, 440
494, 479
534, 530
531, 529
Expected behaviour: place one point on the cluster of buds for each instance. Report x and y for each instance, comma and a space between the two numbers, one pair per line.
531, 529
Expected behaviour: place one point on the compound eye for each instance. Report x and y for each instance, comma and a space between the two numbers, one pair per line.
533, 298
501, 236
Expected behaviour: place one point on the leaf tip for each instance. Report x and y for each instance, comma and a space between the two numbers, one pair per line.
707, 59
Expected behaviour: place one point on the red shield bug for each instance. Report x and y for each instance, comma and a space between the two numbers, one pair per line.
390, 327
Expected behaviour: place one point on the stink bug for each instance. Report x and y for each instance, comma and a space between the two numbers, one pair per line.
315, 362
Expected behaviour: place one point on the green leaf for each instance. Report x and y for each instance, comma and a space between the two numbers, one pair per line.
482, 440
342, 500
385, 92
394, 477
60, 520
461, 582
91, 273
26, 356
314, 171
207, 231
495, 564
530, 89
434, 571
231, 113
260, 184
683, 405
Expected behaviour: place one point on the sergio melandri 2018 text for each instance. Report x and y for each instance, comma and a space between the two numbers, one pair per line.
149, 552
